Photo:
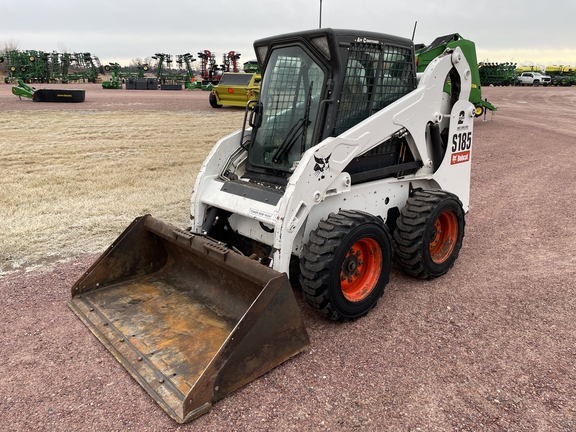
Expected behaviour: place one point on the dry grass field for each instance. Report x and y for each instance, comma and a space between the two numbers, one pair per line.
73, 180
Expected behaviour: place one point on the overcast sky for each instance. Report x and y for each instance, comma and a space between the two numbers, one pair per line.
525, 32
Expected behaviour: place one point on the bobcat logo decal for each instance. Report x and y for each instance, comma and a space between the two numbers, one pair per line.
322, 165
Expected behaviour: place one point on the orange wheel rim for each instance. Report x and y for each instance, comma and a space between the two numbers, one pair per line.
361, 269
443, 238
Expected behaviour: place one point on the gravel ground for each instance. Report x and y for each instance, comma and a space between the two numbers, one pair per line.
489, 346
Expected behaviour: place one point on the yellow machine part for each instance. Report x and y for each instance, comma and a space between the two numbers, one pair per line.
522, 69
560, 69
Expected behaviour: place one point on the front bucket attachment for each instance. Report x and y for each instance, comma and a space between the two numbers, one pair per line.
189, 319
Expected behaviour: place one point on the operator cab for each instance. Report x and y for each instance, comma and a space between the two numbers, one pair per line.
318, 84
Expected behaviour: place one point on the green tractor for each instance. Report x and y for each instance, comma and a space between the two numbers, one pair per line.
427, 54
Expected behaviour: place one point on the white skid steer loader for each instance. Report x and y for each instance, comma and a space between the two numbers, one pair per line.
347, 158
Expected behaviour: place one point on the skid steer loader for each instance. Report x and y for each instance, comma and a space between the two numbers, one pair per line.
347, 157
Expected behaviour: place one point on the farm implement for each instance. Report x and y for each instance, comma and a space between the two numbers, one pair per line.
173, 79
235, 89
42, 67
498, 74
562, 75
134, 81
48, 95
427, 54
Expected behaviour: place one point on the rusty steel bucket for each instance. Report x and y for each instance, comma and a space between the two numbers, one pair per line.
188, 318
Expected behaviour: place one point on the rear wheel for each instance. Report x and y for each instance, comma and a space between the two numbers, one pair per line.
429, 233
213, 102
346, 264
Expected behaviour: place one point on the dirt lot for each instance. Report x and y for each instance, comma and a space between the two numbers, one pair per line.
490, 346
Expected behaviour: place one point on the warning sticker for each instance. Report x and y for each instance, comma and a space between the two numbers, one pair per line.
255, 213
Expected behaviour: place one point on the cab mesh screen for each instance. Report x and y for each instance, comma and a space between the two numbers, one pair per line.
376, 75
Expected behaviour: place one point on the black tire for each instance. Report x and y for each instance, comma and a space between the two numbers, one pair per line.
536, 83
213, 101
429, 233
346, 265
478, 111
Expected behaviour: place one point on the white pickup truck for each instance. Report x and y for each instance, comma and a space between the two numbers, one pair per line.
534, 79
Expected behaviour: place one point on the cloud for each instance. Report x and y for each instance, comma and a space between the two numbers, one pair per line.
124, 30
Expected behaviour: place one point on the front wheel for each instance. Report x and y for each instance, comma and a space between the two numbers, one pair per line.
478, 111
346, 264
429, 233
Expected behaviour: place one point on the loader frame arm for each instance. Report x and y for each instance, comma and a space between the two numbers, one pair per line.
413, 112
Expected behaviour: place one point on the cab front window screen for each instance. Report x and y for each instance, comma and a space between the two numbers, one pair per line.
290, 97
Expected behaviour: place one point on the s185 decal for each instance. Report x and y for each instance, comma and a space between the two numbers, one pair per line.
461, 141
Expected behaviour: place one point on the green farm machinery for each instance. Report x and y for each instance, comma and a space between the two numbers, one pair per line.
115, 81
251, 66
497, 74
562, 75
48, 95
172, 79
19, 65
118, 77
41, 67
426, 54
